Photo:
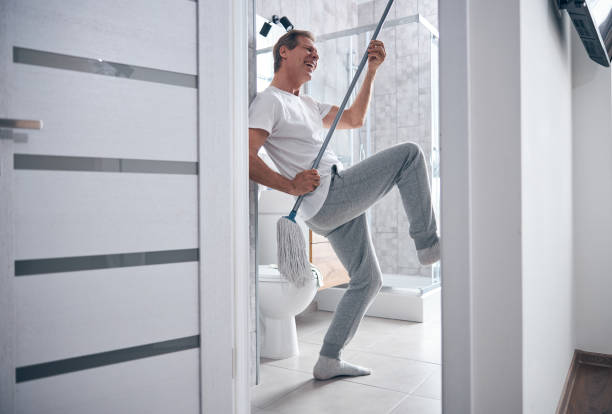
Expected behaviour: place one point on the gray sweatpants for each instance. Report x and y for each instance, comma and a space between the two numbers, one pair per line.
342, 220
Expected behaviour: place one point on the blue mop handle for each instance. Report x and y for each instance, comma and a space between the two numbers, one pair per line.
315, 164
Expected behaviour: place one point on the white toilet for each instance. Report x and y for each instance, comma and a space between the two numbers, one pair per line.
279, 299
279, 302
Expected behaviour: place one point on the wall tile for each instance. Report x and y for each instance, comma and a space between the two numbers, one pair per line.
428, 7
406, 7
408, 75
407, 41
384, 213
266, 8
303, 19
289, 8
409, 271
408, 111
365, 13
409, 134
385, 245
384, 140
385, 112
385, 81
407, 255
379, 7
426, 271
329, 23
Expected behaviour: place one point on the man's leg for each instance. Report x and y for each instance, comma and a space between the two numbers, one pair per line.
359, 187
342, 221
353, 246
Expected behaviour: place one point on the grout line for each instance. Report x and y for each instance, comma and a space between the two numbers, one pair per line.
398, 404
397, 357
423, 382
285, 395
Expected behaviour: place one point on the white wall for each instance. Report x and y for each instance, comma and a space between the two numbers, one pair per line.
546, 149
506, 205
495, 180
592, 114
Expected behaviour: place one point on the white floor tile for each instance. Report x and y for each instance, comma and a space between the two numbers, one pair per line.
305, 361
392, 373
418, 405
312, 322
274, 383
337, 397
432, 387
404, 358
418, 342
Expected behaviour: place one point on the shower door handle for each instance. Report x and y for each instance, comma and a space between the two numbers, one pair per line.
20, 123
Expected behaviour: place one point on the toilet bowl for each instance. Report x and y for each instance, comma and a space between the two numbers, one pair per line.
279, 299
279, 302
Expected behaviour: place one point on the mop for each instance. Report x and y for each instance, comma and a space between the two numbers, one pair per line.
293, 260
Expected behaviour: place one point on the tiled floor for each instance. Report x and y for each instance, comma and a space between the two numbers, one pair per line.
404, 358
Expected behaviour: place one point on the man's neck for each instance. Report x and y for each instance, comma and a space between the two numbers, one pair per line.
284, 83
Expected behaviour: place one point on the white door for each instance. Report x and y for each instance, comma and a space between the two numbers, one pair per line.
99, 208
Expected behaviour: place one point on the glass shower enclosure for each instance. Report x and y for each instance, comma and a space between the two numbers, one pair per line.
404, 107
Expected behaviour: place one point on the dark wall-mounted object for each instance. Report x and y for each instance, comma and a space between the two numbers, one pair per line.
593, 22
265, 29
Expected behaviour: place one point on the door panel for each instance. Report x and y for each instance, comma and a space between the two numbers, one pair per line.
157, 34
106, 309
162, 384
103, 116
103, 207
76, 213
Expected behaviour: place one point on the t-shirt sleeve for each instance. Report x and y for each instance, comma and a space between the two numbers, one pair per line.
324, 108
264, 112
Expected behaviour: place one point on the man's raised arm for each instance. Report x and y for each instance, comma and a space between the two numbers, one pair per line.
304, 182
354, 116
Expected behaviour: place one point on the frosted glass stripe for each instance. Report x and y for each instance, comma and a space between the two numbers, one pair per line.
65, 163
48, 369
102, 67
104, 261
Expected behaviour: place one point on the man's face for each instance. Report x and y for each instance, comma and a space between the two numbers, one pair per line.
302, 60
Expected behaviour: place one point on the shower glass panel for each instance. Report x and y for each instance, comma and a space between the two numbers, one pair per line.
404, 107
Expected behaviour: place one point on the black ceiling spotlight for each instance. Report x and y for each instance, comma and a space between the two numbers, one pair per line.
265, 29
286, 23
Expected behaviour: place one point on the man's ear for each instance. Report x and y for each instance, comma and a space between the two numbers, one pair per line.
283, 51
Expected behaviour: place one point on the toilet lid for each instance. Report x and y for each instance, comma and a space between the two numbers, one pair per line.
270, 273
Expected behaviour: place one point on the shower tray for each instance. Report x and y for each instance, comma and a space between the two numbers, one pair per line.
408, 298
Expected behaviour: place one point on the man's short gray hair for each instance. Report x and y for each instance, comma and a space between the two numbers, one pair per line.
290, 40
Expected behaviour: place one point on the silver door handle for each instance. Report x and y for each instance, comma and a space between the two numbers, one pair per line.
20, 123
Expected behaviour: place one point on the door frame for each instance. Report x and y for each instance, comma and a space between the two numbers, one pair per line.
224, 206
455, 207
456, 269
7, 264
455, 232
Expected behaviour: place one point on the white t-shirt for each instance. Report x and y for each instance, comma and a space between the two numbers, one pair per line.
296, 136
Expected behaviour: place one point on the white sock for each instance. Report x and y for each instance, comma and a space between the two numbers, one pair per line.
326, 368
429, 255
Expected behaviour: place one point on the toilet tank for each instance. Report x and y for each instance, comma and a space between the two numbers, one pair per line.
272, 206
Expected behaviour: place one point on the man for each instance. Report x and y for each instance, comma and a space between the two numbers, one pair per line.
290, 126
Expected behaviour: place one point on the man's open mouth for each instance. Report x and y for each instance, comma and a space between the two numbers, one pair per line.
311, 65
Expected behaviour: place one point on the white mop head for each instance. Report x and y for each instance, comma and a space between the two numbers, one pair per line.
292, 258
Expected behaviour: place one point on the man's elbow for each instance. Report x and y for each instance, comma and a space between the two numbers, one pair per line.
357, 122
252, 161
354, 120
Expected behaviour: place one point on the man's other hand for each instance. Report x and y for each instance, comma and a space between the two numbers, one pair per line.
376, 54
305, 182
